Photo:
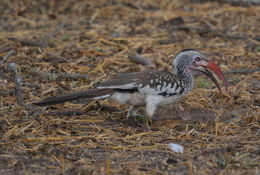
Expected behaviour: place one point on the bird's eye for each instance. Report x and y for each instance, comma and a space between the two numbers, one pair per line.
197, 59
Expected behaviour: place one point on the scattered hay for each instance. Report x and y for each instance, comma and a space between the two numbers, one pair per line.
220, 133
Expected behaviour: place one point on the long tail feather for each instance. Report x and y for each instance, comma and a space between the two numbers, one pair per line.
87, 94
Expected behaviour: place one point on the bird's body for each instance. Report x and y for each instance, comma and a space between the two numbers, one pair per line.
149, 88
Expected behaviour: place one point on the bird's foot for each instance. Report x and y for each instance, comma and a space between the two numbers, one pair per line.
132, 112
145, 120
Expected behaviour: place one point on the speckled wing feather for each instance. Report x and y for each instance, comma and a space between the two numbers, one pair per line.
146, 82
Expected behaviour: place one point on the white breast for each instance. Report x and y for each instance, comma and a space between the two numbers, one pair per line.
136, 98
159, 100
169, 100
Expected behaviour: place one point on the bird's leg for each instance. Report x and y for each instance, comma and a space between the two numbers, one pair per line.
150, 109
132, 112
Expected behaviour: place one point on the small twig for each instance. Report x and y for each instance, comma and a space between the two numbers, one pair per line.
55, 58
26, 42
138, 59
7, 92
40, 43
45, 40
242, 71
64, 86
67, 112
5, 77
32, 110
17, 80
216, 33
36, 86
59, 75
245, 3
10, 53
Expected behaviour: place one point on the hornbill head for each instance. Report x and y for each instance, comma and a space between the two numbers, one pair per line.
191, 61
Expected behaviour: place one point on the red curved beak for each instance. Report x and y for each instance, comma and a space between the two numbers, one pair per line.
212, 66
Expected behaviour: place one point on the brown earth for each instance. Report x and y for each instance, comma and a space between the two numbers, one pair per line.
61, 46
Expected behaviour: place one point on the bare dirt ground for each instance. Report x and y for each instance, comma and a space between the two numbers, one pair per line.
53, 47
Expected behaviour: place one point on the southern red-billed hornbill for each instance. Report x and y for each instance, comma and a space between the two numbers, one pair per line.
150, 88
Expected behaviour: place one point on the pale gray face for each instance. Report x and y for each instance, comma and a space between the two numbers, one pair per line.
187, 60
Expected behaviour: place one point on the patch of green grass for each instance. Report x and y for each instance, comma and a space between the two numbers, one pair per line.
203, 83
64, 37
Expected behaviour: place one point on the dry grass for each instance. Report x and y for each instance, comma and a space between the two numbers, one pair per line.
220, 134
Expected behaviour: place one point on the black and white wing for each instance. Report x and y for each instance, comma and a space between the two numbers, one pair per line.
151, 82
